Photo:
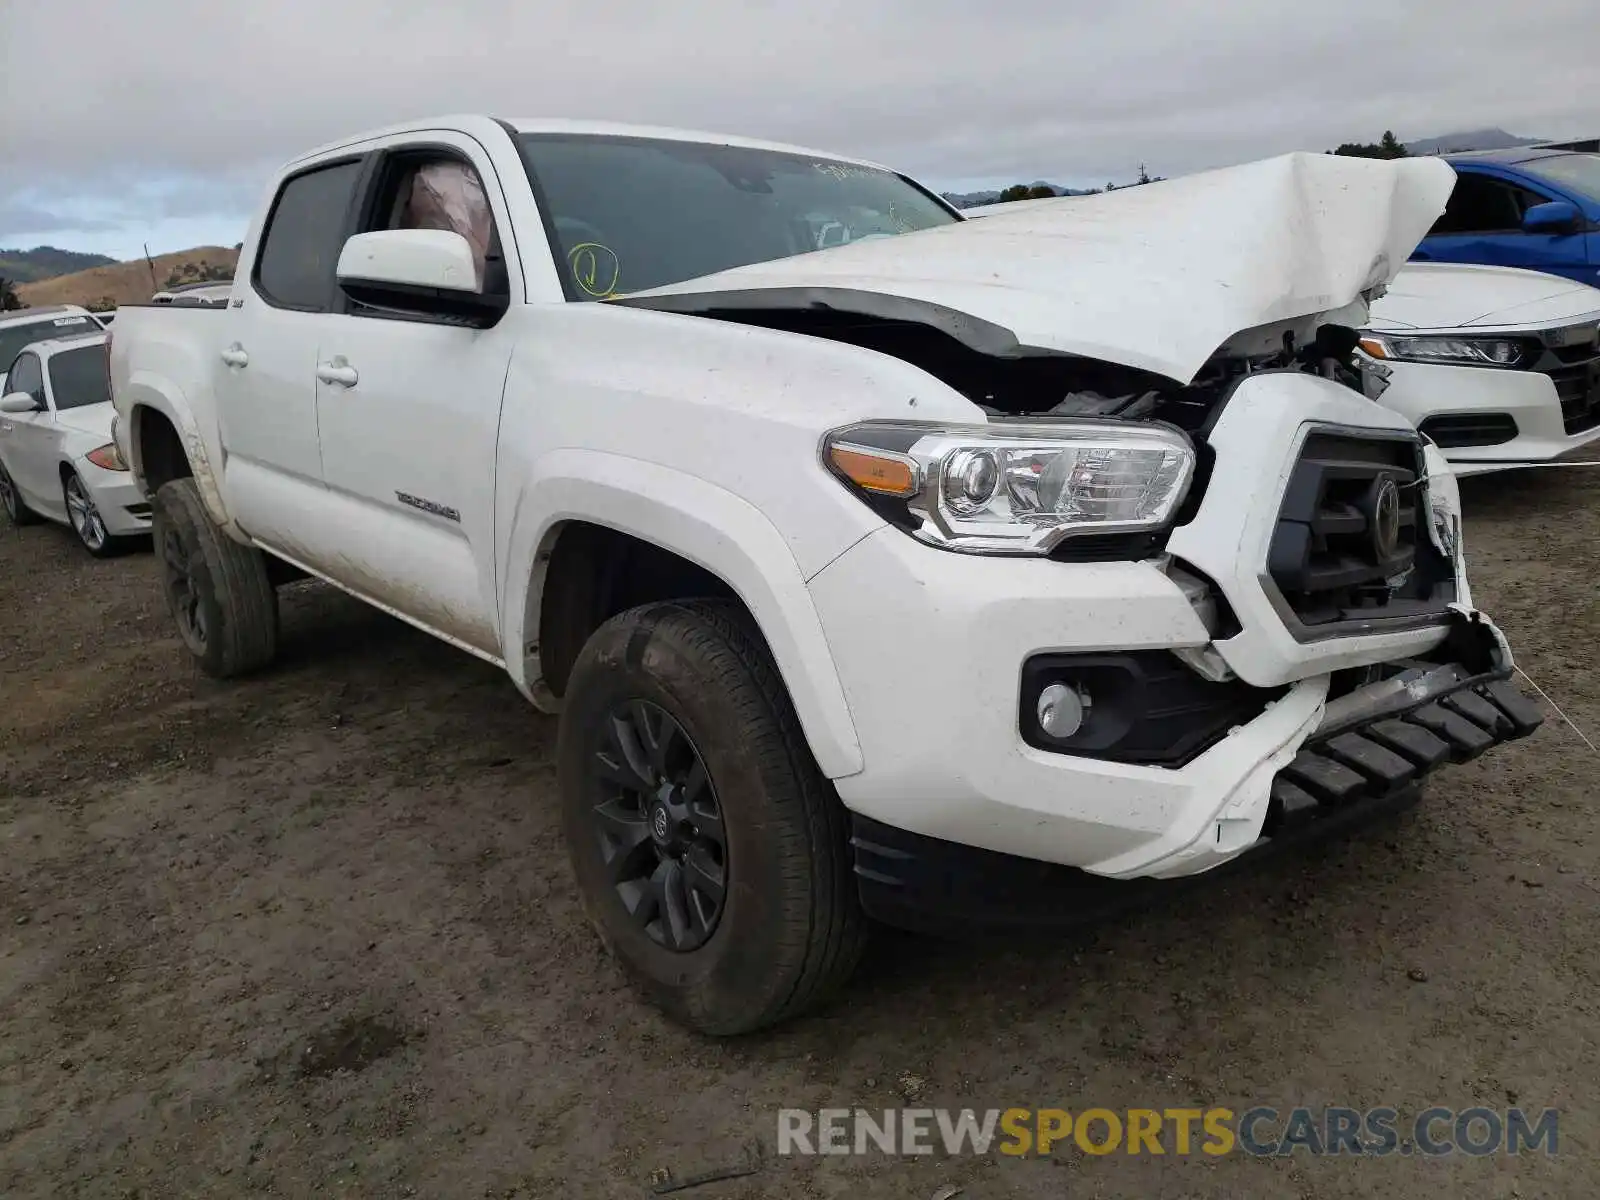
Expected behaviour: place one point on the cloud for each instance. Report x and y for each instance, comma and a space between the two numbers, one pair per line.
213, 95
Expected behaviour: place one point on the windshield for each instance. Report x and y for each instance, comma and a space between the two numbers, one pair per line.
14, 337
78, 377
1574, 172
636, 213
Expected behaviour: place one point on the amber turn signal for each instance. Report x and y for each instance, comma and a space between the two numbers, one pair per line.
878, 471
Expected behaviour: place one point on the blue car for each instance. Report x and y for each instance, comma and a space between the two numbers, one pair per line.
1534, 208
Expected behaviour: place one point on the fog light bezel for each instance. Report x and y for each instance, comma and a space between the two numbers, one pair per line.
1148, 707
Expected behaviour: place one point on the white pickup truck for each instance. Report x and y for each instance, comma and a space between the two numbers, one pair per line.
946, 575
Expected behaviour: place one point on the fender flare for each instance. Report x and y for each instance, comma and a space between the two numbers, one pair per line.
150, 392
709, 526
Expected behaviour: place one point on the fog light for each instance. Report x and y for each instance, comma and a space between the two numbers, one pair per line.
1062, 709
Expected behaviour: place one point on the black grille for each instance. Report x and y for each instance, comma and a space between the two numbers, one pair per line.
1328, 559
1578, 386
1571, 358
1470, 429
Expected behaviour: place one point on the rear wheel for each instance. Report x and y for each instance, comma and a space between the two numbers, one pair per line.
218, 591
11, 500
710, 851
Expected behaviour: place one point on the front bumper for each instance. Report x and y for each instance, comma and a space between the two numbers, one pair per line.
930, 646
1420, 391
1367, 759
123, 507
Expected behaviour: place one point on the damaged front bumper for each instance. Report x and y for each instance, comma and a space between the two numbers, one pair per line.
1366, 756
1389, 734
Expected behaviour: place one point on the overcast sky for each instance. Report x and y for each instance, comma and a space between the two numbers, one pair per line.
160, 120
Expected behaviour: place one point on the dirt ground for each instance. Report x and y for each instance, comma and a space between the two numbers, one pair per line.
314, 935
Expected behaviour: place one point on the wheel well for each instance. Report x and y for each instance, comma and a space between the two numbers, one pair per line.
592, 573
159, 450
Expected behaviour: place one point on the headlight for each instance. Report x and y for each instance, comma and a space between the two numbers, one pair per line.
1016, 488
107, 457
1456, 351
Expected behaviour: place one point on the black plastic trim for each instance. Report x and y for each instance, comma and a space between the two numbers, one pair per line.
1147, 707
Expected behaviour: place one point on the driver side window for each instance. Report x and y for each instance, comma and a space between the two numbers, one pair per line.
26, 376
1484, 204
436, 191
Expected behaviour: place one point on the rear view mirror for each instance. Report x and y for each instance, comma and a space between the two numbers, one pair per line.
18, 403
1553, 216
428, 272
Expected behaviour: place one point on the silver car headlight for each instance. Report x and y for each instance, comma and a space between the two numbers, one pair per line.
1019, 487
1450, 351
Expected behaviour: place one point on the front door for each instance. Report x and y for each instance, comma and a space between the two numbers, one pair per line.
28, 441
409, 412
1482, 223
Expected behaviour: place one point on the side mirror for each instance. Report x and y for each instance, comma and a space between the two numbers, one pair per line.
18, 404
1553, 216
428, 272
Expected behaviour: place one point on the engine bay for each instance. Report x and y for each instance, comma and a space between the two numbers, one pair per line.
1060, 385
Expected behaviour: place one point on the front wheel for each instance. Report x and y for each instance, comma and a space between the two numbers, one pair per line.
84, 517
218, 591
17, 510
710, 851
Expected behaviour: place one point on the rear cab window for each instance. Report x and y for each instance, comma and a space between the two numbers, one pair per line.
304, 234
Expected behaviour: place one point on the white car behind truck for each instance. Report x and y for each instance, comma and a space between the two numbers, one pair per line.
57, 458
878, 580
1499, 367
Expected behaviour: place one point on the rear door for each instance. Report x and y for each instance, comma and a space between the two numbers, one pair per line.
1482, 223
28, 440
267, 357
408, 405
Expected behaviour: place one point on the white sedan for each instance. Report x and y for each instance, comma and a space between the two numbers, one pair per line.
1500, 367
57, 458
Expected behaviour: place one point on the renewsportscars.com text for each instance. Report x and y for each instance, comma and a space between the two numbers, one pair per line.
1260, 1130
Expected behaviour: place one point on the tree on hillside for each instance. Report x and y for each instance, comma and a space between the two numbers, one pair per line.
9, 300
1387, 146
1024, 191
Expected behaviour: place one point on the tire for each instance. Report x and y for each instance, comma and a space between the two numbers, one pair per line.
217, 591
85, 521
790, 929
11, 500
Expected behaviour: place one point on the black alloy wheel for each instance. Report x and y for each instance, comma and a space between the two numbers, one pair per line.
660, 827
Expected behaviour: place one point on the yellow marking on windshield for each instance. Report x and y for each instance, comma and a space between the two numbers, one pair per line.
595, 269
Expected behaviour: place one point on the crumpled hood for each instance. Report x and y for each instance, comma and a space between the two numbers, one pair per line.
1452, 296
91, 418
1155, 277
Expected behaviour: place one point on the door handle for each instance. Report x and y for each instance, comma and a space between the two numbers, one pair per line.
235, 356
338, 371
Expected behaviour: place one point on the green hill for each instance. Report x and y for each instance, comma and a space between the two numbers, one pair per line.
46, 262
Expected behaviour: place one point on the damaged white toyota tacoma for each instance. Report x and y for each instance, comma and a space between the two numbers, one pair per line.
879, 563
